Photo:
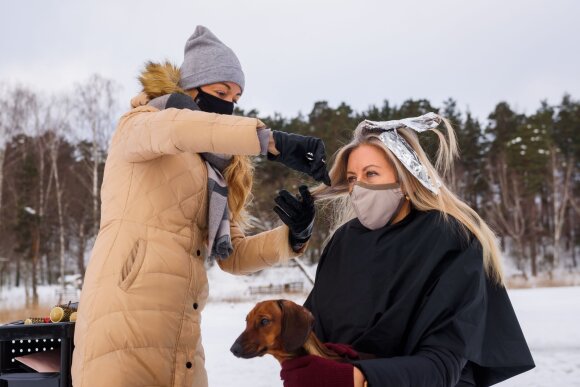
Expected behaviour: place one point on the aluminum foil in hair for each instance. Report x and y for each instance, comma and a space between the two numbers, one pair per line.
401, 148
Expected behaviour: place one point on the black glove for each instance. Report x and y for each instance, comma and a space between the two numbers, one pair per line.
298, 213
301, 153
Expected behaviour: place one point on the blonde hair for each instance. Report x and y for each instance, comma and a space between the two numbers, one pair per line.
159, 79
421, 198
240, 179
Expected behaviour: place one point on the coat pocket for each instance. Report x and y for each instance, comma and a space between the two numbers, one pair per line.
132, 265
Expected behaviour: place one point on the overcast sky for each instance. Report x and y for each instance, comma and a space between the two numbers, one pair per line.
297, 52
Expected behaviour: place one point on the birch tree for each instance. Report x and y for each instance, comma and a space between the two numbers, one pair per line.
59, 127
4, 137
565, 156
96, 109
506, 205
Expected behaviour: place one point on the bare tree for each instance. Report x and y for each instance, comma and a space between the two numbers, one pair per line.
96, 110
58, 120
507, 208
34, 110
561, 173
4, 134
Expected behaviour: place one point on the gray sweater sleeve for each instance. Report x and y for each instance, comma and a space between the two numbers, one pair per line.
264, 138
427, 368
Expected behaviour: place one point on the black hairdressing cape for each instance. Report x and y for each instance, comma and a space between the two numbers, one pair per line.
415, 295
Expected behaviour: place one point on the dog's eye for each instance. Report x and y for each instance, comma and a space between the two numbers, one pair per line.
264, 321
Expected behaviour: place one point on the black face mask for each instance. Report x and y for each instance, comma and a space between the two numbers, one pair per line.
212, 104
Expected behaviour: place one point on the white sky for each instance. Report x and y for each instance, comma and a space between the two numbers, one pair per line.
297, 52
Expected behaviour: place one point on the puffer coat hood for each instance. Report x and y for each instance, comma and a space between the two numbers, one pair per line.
146, 285
159, 79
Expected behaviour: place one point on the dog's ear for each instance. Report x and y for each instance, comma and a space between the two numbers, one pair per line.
297, 323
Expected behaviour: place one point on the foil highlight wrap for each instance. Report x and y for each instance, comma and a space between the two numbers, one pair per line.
401, 148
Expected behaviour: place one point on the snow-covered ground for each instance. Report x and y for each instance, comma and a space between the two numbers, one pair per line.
550, 319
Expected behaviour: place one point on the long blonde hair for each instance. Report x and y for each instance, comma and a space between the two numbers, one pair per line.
421, 198
240, 179
160, 79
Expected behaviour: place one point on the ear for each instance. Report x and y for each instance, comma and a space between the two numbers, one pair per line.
297, 323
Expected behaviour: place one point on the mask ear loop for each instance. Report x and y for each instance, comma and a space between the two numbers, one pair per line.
401, 202
198, 96
397, 211
398, 181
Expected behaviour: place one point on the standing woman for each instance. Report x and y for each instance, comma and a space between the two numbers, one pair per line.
173, 196
411, 276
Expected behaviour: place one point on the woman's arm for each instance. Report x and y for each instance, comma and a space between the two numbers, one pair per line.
428, 368
257, 252
148, 133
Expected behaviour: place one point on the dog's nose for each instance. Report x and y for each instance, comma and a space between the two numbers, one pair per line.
236, 349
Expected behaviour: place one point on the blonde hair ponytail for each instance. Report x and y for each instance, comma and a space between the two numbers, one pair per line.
239, 177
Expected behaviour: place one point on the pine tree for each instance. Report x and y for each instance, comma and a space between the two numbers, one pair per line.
470, 167
529, 152
505, 203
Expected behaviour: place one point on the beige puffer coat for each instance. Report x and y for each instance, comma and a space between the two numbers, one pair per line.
146, 285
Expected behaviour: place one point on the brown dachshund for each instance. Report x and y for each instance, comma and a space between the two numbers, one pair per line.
282, 329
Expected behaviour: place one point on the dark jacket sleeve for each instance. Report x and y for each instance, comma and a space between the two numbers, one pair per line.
429, 368
466, 318
443, 329
308, 303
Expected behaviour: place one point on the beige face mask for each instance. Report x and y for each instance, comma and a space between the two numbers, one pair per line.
376, 204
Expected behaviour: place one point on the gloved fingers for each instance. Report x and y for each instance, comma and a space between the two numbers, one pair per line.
285, 218
305, 195
297, 363
320, 174
343, 350
292, 212
319, 152
319, 158
308, 208
291, 200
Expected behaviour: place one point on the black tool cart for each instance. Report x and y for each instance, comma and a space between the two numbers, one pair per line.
19, 339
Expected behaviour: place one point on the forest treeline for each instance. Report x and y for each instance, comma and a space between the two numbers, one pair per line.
519, 171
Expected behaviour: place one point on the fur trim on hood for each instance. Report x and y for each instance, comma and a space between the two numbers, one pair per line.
159, 79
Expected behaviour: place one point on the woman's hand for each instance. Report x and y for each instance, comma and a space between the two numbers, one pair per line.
359, 378
315, 371
302, 153
348, 352
139, 100
343, 350
298, 213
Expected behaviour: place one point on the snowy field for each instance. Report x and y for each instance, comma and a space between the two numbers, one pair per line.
550, 319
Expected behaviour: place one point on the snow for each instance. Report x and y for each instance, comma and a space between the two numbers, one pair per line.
229, 288
550, 319
222, 323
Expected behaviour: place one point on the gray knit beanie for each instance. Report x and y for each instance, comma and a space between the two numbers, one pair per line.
207, 60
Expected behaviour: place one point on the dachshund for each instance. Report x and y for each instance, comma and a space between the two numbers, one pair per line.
282, 329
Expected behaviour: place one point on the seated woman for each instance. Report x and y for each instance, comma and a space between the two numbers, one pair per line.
412, 275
